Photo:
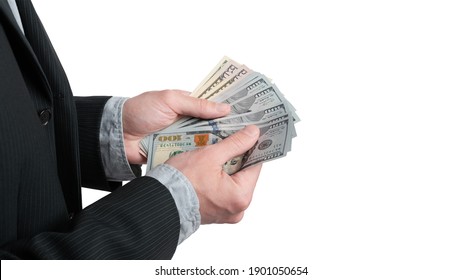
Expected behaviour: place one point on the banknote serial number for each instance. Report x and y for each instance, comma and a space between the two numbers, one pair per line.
277, 271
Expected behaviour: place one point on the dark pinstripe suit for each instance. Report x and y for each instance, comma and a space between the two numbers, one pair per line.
49, 148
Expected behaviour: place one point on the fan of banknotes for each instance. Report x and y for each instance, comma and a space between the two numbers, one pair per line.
253, 98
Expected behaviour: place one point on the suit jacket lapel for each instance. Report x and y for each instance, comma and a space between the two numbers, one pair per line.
22, 47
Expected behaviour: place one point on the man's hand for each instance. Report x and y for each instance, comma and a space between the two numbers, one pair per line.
156, 110
222, 198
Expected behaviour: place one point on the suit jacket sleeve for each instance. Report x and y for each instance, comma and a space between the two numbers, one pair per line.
136, 221
89, 113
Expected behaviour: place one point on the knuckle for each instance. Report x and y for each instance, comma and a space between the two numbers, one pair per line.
237, 141
167, 95
238, 205
204, 106
236, 218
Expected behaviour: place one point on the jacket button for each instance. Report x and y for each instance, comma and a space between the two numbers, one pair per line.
45, 116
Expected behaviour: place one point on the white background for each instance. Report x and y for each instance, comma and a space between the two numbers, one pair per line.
372, 187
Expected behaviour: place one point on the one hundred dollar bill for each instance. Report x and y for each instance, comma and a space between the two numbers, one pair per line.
266, 97
273, 143
235, 91
264, 115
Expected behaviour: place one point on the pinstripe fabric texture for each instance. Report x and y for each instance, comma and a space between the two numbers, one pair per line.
65, 124
40, 165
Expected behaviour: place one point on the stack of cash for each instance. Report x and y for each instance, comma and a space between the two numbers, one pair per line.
253, 98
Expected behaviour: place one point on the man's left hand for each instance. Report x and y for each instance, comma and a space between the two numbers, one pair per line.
155, 110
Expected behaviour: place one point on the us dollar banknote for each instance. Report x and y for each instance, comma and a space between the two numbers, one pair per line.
254, 100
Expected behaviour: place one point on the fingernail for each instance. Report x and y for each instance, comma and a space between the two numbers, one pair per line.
223, 107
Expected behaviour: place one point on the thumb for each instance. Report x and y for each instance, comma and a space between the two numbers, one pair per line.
200, 108
236, 144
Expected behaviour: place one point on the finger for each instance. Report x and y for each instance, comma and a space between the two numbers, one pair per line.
236, 144
246, 180
199, 108
248, 176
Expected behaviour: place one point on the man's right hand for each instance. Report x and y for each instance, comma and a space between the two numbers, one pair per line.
223, 198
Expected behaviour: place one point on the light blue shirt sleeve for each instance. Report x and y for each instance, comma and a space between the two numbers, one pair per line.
117, 168
111, 141
184, 195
